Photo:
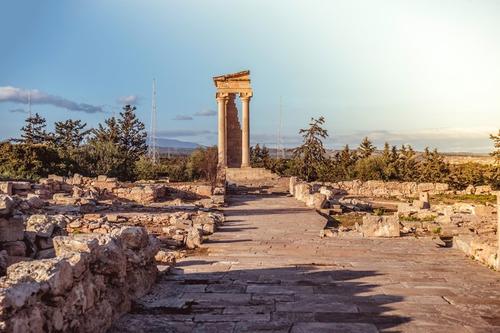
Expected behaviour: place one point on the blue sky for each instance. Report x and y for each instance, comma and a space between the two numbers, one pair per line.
422, 72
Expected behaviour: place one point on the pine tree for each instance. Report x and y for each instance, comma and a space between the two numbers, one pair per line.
366, 148
347, 159
389, 161
107, 133
70, 133
496, 143
132, 134
406, 164
311, 155
495, 170
433, 168
34, 131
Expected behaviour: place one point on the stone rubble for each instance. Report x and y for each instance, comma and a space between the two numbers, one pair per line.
472, 228
90, 283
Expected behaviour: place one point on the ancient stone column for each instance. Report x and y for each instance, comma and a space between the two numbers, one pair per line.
245, 129
221, 144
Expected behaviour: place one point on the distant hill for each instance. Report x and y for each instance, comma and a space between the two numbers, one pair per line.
172, 143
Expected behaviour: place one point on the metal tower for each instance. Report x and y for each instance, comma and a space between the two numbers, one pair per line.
280, 149
153, 145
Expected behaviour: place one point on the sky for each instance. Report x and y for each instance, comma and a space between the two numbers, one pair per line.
420, 72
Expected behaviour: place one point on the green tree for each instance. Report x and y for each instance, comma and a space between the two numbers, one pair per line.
260, 157
370, 168
495, 169
132, 134
33, 132
407, 164
432, 167
311, 155
27, 161
103, 158
127, 135
347, 159
203, 164
496, 144
146, 169
366, 148
70, 133
390, 161
109, 132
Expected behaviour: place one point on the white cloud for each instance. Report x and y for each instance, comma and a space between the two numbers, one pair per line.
206, 113
19, 95
128, 100
182, 117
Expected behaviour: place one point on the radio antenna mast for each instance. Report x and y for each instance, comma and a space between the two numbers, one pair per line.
153, 145
280, 150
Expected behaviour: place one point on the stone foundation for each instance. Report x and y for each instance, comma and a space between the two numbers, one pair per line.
90, 283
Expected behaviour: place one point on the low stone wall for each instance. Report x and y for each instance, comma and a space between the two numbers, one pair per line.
375, 188
478, 249
90, 283
189, 190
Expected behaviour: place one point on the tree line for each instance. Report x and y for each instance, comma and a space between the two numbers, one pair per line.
116, 148
311, 162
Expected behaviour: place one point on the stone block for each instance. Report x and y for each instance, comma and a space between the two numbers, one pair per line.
484, 189
34, 201
6, 205
6, 188
317, 201
302, 192
17, 248
11, 229
380, 226
419, 204
21, 186
293, 182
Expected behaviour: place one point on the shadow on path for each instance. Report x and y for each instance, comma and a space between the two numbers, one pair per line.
303, 298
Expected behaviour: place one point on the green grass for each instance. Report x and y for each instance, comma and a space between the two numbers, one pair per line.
411, 218
349, 220
448, 199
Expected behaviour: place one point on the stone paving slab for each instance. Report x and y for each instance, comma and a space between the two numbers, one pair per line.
267, 270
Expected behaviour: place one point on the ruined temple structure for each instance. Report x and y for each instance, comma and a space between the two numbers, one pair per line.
234, 137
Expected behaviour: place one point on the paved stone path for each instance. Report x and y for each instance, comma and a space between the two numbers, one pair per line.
267, 270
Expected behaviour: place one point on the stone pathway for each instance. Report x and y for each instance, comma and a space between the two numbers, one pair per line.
267, 270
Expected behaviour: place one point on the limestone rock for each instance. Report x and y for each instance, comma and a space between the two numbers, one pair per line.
317, 200
17, 248
133, 237
166, 257
193, 238
380, 226
6, 205
41, 225
11, 229
6, 188
34, 201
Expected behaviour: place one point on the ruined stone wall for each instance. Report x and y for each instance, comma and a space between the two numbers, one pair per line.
234, 134
189, 190
90, 283
376, 188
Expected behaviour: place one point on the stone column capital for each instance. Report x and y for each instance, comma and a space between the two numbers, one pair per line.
245, 96
221, 96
